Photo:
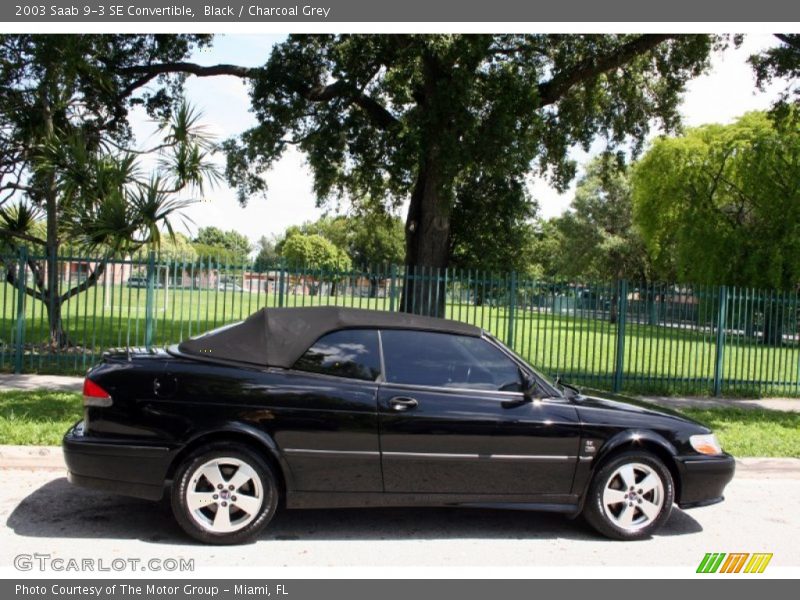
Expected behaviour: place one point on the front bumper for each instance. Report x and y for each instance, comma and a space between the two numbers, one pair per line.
116, 466
703, 479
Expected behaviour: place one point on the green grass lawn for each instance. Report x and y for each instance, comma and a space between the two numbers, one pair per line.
38, 417
41, 417
753, 432
581, 346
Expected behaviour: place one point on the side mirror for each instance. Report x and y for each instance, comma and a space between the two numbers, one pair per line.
529, 386
528, 391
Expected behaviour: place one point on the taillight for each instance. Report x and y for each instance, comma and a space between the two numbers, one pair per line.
94, 395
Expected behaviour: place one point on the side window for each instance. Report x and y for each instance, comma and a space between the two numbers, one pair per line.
349, 353
445, 360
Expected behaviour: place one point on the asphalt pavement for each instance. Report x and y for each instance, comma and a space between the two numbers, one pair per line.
42, 512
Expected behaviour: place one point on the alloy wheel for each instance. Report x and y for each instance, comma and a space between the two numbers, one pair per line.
224, 495
633, 496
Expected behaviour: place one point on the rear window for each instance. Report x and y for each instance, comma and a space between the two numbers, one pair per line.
351, 353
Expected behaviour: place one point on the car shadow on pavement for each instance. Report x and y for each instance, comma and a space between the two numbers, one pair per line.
61, 510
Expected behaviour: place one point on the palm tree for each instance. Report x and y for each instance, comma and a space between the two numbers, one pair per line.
105, 203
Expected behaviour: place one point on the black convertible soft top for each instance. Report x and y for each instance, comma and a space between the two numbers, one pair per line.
277, 337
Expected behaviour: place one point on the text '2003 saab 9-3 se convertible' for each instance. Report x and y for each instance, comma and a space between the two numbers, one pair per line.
336, 407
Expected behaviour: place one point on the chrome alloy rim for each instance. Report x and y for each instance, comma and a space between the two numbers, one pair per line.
633, 496
224, 495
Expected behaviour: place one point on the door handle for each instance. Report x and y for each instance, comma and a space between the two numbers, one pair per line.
402, 403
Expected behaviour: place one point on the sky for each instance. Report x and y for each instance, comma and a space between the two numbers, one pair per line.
724, 93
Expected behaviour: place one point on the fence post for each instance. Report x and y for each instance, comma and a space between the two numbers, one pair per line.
722, 312
622, 317
512, 309
392, 287
20, 337
281, 283
150, 300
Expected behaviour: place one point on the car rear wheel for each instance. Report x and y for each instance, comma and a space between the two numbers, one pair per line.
630, 496
224, 494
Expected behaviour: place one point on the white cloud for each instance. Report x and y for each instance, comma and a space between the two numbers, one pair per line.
729, 89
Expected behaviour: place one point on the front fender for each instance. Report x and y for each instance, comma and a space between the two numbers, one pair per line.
644, 439
634, 438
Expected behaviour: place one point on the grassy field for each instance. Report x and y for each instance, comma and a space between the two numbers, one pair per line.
38, 417
41, 417
753, 432
579, 345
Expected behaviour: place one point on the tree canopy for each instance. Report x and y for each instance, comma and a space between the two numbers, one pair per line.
493, 226
418, 117
724, 201
267, 254
780, 62
598, 238
314, 253
370, 238
227, 245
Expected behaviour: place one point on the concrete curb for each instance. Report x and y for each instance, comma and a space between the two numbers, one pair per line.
51, 458
31, 457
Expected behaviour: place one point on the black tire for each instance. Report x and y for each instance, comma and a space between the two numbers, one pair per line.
202, 522
609, 520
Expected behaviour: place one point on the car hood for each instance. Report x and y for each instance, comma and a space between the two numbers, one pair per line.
617, 403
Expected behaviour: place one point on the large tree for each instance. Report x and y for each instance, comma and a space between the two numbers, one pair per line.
414, 117
599, 238
370, 238
230, 245
267, 254
67, 155
313, 252
724, 201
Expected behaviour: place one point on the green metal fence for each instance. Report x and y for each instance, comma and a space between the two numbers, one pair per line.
654, 338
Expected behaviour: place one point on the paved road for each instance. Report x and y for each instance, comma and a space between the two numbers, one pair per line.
42, 512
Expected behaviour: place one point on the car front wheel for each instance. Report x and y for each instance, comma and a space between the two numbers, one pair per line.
630, 496
224, 494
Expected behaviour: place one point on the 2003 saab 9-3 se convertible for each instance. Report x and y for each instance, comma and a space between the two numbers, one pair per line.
335, 407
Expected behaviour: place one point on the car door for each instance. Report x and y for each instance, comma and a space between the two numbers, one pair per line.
321, 414
453, 420
329, 434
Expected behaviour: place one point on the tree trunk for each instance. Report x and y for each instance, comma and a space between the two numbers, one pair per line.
652, 307
58, 337
613, 310
427, 244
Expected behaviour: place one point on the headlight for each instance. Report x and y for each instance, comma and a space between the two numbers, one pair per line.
706, 444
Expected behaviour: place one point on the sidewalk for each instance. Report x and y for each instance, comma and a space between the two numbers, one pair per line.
782, 404
75, 384
56, 383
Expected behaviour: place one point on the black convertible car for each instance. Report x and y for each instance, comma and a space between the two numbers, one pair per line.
335, 407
